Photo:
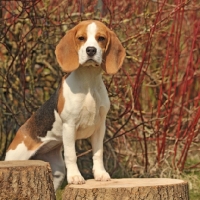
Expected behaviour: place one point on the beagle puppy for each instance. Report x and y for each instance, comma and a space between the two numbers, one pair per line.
77, 109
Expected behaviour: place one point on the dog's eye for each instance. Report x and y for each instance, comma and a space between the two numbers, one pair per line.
81, 38
101, 38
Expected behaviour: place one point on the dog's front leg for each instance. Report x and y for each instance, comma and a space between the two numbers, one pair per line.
99, 171
73, 174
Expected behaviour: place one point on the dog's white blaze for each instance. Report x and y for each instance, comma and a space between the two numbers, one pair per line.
91, 42
20, 153
91, 29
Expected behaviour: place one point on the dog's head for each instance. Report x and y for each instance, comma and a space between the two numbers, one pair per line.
90, 43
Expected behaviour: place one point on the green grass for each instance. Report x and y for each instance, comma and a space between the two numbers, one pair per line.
192, 176
61, 190
59, 194
193, 179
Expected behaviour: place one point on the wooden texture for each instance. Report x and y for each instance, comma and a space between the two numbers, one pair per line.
132, 189
30, 179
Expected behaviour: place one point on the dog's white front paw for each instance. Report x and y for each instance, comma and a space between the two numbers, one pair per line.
101, 175
75, 179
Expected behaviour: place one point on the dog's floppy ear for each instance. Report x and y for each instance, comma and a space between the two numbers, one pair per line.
114, 54
66, 52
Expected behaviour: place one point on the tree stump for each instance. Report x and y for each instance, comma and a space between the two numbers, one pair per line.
133, 188
30, 179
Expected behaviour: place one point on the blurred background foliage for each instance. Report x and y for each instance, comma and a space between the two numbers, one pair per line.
153, 126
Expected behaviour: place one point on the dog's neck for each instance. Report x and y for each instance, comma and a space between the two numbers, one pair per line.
88, 74
85, 79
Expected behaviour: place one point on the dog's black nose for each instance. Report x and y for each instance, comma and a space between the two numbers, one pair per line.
91, 51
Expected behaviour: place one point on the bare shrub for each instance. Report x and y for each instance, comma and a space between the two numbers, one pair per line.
153, 124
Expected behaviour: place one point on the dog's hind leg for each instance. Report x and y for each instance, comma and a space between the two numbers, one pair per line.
19, 153
23, 146
55, 159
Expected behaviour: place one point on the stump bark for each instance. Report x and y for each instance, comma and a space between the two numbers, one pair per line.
30, 179
134, 189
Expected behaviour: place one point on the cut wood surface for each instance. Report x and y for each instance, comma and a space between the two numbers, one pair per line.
129, 188
30, 179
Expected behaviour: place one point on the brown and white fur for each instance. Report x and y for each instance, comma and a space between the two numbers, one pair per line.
77, 109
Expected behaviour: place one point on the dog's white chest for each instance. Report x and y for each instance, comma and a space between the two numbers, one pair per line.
85, 107
89, 112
